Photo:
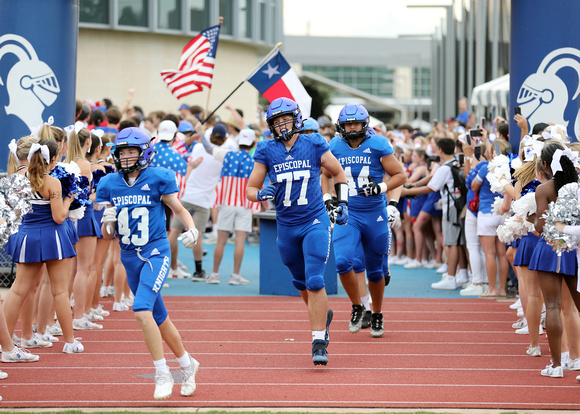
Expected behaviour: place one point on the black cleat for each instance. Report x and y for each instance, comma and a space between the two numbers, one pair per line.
319, 355
366, 322
356, 317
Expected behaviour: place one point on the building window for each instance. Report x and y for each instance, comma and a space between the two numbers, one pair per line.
245, 18
263, 20
199, 15
226, 11
421, 83
94, 11
169, 14
133, 13
376, 81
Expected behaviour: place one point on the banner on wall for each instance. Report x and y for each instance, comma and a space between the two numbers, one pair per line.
38, 49
544, 66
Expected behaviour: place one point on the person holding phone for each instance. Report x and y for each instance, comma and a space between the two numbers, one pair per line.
487, 224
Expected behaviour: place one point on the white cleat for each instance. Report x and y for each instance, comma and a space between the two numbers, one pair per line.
188, 382
163, 385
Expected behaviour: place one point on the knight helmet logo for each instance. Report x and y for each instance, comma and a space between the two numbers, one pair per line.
31, 84
543, 97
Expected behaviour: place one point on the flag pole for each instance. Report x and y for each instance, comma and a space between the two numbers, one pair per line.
252, 73
220, 21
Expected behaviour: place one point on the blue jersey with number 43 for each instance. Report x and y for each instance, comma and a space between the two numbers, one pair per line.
359, 164
297, 174
140, 211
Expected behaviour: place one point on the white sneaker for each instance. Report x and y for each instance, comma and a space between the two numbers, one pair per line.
3, 375
163, 385
49, 338
188, 380
550, 371
110, 290
94, 317
103, 292
55, 329
446, 284
413, 264
35, 341
534, 351
472, 290
236, 279
85, 325
520, 312
178, 273
526, 331
100, 311
73, 348
19, 355
213, 279
431, 264
516, 305
570, 364
521, 323
462, 282
15, 340
181, 265
209, 240
399, 261
442, 269
120, 307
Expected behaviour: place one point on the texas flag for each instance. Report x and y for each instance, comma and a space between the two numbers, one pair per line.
274, 78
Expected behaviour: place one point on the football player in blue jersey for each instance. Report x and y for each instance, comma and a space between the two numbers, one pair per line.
366, 159
136, 198
293, 162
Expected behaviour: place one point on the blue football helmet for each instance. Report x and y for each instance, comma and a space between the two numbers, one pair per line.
311, 125
349, 114
284, 106
133, 137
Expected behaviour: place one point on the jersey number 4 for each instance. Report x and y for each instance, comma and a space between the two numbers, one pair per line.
139, 213
363, 179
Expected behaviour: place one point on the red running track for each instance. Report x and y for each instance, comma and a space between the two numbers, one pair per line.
256, 352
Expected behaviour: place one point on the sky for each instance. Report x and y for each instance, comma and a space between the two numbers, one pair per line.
361, 18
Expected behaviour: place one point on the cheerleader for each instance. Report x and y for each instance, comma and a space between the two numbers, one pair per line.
87, 229
42, 239
551, 267
93, 311
531, 295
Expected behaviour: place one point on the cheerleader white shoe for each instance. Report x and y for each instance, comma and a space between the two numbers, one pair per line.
85, 325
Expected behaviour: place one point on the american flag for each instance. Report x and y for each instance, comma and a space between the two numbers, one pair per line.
231, 190
168, 158
196, 65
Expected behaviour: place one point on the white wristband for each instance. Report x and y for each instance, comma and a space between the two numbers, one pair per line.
326, 197
383, 187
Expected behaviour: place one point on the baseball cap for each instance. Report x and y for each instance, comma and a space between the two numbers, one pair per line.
220, 129
167, 130
185, 126
247, 137
184, 106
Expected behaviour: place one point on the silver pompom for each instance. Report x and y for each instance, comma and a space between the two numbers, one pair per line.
15, 194
566, 209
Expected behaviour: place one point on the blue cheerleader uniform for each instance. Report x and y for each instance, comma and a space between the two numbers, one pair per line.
528, 243
545, 259
88, 225
526, 249
39, 237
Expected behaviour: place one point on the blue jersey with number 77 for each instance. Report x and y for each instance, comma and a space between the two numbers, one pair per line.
297, 174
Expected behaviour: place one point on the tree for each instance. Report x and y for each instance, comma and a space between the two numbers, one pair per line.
320, 96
